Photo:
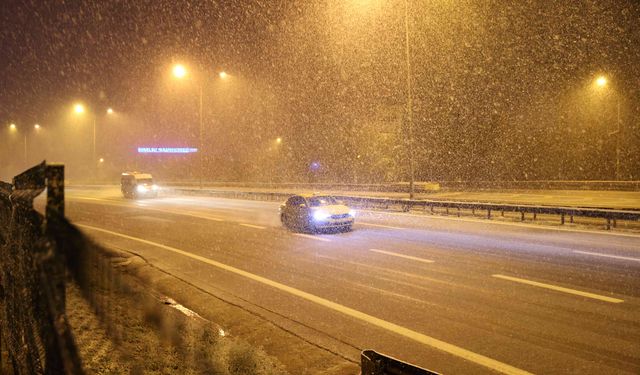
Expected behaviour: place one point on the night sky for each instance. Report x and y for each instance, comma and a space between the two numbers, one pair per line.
503, 89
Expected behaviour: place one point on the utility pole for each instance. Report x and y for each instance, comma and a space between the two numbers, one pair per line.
200, 119
618, 143
409, 101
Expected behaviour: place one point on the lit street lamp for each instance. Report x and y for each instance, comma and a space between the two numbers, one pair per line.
80, 109
602, 82
180, 72
13, 128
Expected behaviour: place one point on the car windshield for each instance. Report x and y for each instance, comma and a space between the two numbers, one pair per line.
145, 181
321, 201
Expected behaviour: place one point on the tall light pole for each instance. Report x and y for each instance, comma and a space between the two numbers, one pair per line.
79, 109
14, 128
409, 100
602, 82
180, 72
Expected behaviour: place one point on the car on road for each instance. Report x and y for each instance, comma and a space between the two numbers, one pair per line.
138, 185
313, 213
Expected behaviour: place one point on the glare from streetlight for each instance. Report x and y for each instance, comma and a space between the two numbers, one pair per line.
36, 126
223, 75
179, 71
278, 140
101, 160
109, 111
78, 108
12, 126
601, 81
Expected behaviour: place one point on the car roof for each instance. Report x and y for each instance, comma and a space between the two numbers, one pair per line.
311, 195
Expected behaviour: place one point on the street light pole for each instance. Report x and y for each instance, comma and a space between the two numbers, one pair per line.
93, 154
26, 161
409, 100
618, 143
200, 119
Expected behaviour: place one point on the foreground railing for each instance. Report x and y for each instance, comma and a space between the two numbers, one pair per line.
35, 332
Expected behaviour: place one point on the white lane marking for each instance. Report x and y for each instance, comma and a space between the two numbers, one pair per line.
175, 212
560, 289
253, 226
151, 218
402, 256
606, 255
313, 237
400, 330
381, 226
485, 221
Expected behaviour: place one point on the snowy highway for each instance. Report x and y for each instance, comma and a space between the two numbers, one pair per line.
452, 295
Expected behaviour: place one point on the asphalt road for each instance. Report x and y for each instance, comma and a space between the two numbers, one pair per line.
453, 295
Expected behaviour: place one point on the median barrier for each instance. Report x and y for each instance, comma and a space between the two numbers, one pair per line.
610, 216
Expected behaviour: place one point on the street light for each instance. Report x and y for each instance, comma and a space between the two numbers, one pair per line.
602, 82
14, 128
79, 109
409, 100
180, 72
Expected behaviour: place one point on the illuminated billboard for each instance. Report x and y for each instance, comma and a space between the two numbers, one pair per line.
166, 150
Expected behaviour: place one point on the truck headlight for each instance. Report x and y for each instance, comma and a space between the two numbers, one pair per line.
154, 187
141, 189
352, 213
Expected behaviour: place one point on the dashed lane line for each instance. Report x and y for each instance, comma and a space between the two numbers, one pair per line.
380, 323
253, 226
607, 255
313, 237
560, 289
381, 226
146, 207
402, 256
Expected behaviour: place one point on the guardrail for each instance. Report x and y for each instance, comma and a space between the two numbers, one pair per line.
425, 186
611, 216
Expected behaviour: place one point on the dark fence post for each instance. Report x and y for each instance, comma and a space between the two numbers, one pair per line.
373, 363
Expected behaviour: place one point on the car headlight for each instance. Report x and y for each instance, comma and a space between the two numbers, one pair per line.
141, 189
352, 213
154, 187
321, 215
